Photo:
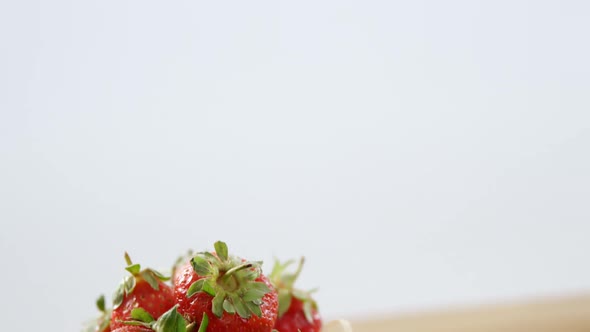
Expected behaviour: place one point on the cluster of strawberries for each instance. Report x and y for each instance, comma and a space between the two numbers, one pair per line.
210, 292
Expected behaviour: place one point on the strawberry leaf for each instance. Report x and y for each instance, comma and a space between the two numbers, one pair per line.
195, 287
119, 295
129, 284
150, 278
100, 303
160, 276
301, 295
241, 307
228, 306
133, 269
217, 304
285, 299
170, 321
209, 256
221, 250
201, 265
258, 287
255, 309
204, 323
141, 315
307, 310
250, 274
255, 292
209, 287
278, 268
137, 323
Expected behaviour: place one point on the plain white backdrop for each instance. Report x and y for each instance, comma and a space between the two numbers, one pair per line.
420, 154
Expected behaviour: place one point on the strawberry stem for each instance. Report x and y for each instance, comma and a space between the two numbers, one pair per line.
236, 269
128, 259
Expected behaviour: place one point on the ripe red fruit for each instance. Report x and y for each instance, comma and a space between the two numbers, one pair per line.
170, 321
295, 320
233, 293
143, 289
297, 309
180, 264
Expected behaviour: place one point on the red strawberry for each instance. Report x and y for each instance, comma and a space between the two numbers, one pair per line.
101, 323
143, 289
297, 310
181, 263
170, 321
233, 293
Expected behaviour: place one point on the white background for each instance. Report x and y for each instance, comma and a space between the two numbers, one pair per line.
421, 154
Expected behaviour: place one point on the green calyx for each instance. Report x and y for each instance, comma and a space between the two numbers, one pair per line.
285, 284
230, 281
170, 321
103, 321
152, 277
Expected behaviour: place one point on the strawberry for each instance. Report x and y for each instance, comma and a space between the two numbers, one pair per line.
101, 323
181, 263
142, 289
297, 309
232, 292
170, 321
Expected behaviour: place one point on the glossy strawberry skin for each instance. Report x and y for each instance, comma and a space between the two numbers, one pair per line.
294, 319
155, 302
193, 308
